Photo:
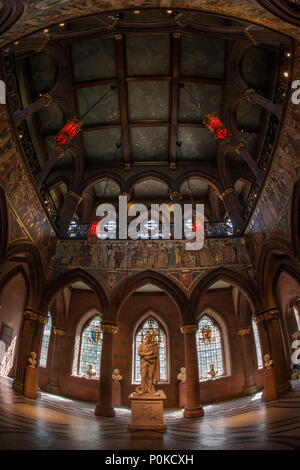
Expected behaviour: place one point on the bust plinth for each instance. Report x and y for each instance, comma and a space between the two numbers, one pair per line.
270, 389
147, 411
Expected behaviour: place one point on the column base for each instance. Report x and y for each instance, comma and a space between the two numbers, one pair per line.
194, 413
250, 389
52, 388
18, 387
285, 390
107, 412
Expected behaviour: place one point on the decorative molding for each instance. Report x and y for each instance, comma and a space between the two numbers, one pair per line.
189, 328
249, 35
244, 331
109, 327
33, 314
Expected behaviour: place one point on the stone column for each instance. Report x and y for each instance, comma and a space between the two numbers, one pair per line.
231, 202
249, 370
67, 211
193, 407
104, 406
30, 340
273, 330
56, 360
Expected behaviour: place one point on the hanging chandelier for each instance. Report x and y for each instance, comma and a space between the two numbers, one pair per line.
74, 126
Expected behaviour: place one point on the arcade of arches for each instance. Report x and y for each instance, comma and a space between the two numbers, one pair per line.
77, 300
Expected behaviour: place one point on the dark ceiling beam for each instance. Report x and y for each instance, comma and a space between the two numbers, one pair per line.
148, 78
123, 96
90, 83
174, 98
209, 81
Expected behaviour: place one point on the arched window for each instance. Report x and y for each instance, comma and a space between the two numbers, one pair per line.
45, 341
257, 345
151, 324
210, 348
91, 346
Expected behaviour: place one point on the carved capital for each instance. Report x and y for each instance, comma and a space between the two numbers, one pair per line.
244, 331
109, 327
59, 331
270, 314
189, 328
49, 98
118, 37
30, 314
42, 319
175, 196
248, 93
177, 35
239, 147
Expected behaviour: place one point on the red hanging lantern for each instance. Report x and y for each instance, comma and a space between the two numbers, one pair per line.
215, 125
67, 133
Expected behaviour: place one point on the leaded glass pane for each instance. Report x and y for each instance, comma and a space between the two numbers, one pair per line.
257, 345
150, 322
91, 347
209, 348
45, 342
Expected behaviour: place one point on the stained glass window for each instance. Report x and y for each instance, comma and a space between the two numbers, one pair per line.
257, 345
91, 347
150, 323
209, 348
45, 342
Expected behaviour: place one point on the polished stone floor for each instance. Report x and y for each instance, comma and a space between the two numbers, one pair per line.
53, 422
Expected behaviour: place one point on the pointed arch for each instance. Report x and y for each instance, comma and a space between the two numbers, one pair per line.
231, 277
71, 276
131, 284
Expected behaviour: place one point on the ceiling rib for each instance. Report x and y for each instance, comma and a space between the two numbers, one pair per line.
174, 98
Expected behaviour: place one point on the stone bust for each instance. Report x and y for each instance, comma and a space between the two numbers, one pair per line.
116, 376
90, 372
212, 372
182, 375
268, 361
31, 360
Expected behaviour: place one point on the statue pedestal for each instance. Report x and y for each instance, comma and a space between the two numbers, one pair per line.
182, 395
30, 386
116, 394
270, 390
147, 411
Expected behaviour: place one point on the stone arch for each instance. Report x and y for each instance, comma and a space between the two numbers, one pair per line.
131, 284
154, 175
34, 269
229, 276
63, 280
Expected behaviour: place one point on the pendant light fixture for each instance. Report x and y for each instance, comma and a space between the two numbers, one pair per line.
74, 126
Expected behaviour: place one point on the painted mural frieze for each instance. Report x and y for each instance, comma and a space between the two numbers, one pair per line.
21, 195
112, 261
41, 13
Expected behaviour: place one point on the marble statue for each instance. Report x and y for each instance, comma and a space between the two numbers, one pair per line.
212, 372
116, 376
182, 375
149, 359
32, 360
268, 361
90, 372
